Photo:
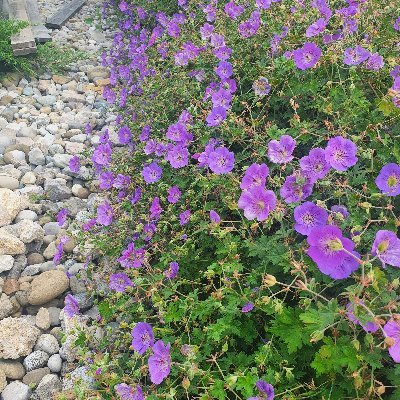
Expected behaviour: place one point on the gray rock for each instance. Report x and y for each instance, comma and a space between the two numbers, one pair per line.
48, 386
48, 100
51, 228
54, 316
6, 263
57, 190
6, 307
36, 157
37, 359
35, 376
62, 160
55, 363
8, 182
47, 343
26, 214
12, 369
16, 391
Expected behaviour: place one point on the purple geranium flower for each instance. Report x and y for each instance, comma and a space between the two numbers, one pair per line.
106, 180
297, 187
221, 160
74, 164
172, 271
159, 362
247, 307
184, 217
71, 307
155, 208
316, 27
340, 153
174, 194
233, 10
342, 210
119, 282
104, 214
281, 152
355, 56
396, 25
392, 330
224, 70
255, 175
307, 216
102, 154
261, 86
375, 62
216, 116
62, 216
307, 56
315, 165
257, 203
127, 392
152, 172
332, 253
369, 327
178, 156
388, 180
214, 217
124, 135
142, 337
177, 132
386, 248
266, 390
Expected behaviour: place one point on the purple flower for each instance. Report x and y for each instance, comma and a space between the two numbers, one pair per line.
307, 56
214, 217
315, 165
375, 62
177, 132
340, 153
355, 56
104, 214
71, 307
331, 252
257, 203
281, 152
255, 175
178, 156
392, 330
62, 216
224, 70
261, 86
297, 187
174, 194
102, 154
142, 337
250, 27
266, 390
184, 217
74, 164
317, 27
369, 327
216, 116
124, 135
388, 180
308, 216
221, 98
172, 271
233, 10
396, 25
342, 210
159, 362
221, 160
126, 392
106, 180
155, 208
152, 172
247, 307
132, 257
386, 248
119, 282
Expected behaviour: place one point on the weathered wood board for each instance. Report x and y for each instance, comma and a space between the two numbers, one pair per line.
60, 17
23, 42
40, 32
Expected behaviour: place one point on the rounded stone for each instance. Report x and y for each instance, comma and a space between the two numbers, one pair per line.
35, 376
26, 214
47, 286
37, 359
8, 182
16, 391
55, 363
12, 369
42, 322
34, 258
47, 343
6, 263
48, 387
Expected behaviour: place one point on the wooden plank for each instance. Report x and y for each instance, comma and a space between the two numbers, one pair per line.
60, 17
4, 7
40, 32
23, 42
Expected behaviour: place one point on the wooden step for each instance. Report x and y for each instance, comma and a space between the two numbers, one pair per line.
66, 12
40, 32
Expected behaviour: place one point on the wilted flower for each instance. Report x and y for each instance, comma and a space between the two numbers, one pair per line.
307, 56
261, 86
333, 254
369, 327
386, 248
71, 307
340, 153
159, 362
257, 203
142, 337
214, 217
281, 152
172, 271
119, 282
388, 180
307, 216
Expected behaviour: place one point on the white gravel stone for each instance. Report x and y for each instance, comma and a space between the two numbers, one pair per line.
55, 363
16, 391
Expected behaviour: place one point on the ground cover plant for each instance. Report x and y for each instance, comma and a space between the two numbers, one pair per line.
249, 238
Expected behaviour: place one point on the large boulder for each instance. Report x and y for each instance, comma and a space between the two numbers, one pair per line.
17, 337
47, 286
11, 204
10, 244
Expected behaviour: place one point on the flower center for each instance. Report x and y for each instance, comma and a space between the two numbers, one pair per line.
392, 181
308, 219
260, 205
383, 246
335, 244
